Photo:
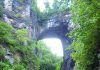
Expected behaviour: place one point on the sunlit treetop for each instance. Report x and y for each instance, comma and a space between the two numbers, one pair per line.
53, 5
43, 3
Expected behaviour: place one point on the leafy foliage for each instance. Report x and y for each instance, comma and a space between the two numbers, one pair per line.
59, 6
4, 66
2, 51
7, 66
5, 32
48, 61
16, 42
22, 35
18, 67
86, 17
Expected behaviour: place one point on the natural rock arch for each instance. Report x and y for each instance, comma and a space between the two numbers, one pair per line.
60, 32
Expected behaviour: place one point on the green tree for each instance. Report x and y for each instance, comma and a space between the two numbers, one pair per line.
86, 17
48, 61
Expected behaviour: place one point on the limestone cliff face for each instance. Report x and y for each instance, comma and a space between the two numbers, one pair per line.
58, 26
19, 14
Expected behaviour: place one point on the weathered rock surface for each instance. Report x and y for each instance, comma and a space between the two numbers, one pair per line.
58, 26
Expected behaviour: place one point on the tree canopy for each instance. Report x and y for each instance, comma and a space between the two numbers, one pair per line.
85, 45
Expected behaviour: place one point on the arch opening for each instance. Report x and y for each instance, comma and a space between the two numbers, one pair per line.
55, 46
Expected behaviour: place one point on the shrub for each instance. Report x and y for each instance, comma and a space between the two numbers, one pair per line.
5, 32
2, 51
4, 66
18, 67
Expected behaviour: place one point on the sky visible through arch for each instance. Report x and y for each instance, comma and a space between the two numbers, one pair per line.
55, 46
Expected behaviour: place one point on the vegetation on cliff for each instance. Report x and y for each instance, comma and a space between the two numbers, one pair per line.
86, 39
27, 54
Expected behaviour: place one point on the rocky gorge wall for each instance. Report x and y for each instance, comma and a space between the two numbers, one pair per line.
19, 14
57, 27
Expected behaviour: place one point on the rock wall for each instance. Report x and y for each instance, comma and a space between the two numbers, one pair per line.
58, 26
19, 14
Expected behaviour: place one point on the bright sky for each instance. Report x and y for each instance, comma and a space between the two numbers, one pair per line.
55, 45
40, 4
